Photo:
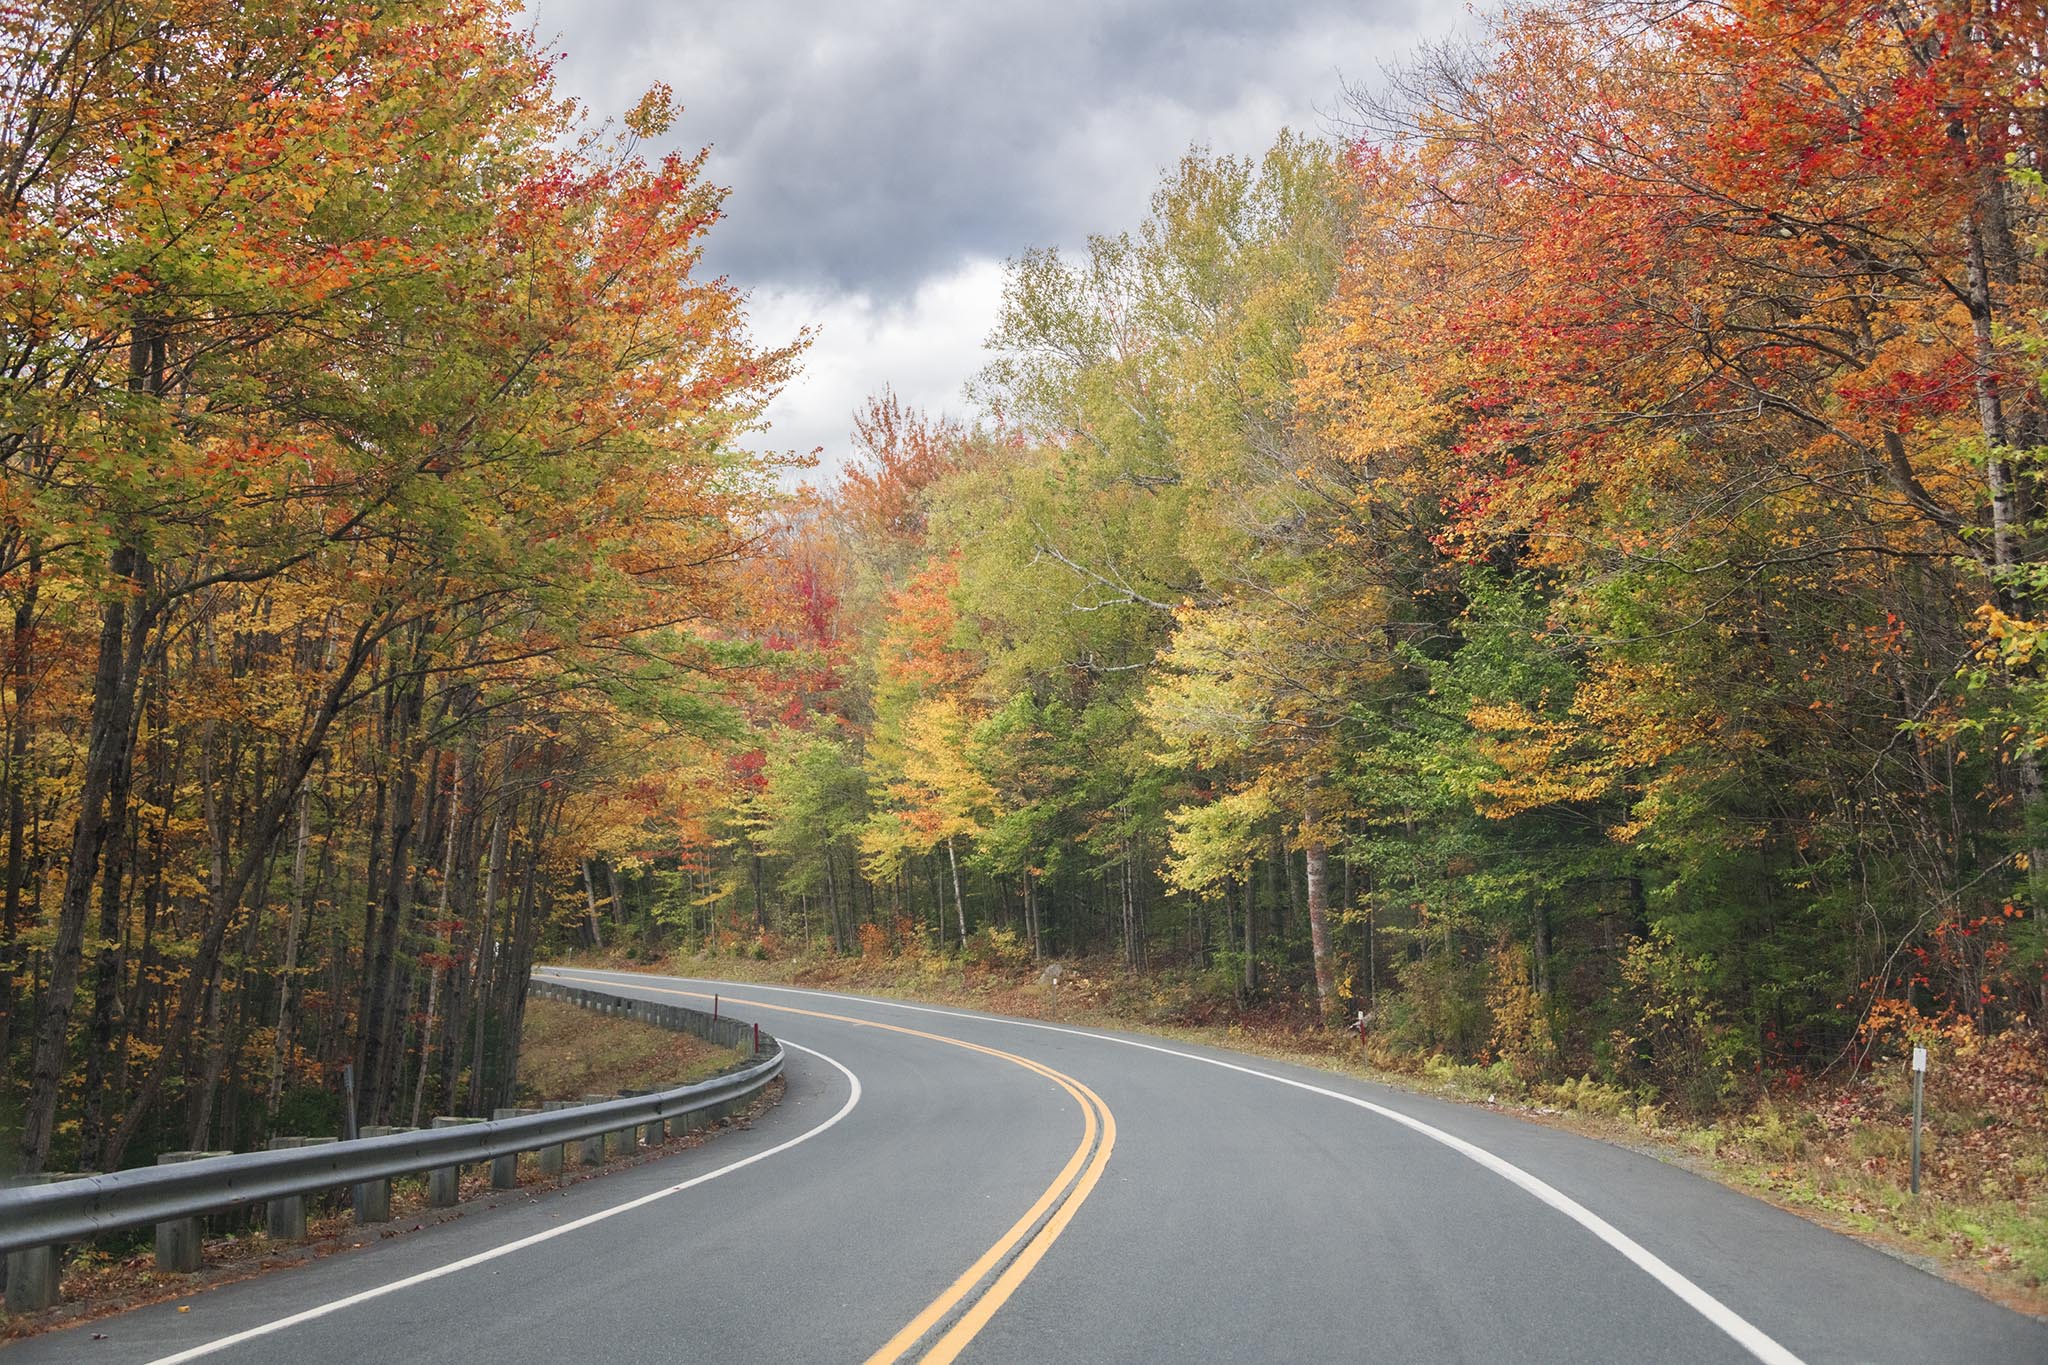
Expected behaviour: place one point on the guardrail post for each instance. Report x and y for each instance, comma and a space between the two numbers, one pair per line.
177, 1240
649, 1134
551, 1158
593, 1147
371, 1199
32, 1278
35, 1274
444, 1183
285, 1219
505, 1169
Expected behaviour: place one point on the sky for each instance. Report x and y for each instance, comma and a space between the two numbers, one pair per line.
886, 158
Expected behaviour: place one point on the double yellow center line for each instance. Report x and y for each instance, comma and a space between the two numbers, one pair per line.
970, 1301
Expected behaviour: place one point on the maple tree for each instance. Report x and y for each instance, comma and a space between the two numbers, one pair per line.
1570, 553
373, 461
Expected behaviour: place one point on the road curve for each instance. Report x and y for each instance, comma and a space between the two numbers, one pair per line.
938, 1184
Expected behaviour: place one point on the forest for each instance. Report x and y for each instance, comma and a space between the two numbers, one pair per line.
1549, 572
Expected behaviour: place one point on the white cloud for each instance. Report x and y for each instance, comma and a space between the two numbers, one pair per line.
884, 158
925, 347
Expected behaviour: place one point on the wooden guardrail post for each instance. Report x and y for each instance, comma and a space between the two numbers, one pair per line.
551, 1158
372, 1198
647, 1134
444, 1183
34, 1274
505, 1169
593, 1147
285, 1219
32, 1278
177, 1240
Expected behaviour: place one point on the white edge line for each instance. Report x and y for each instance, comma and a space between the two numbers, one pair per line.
1746, 1334
350, 1301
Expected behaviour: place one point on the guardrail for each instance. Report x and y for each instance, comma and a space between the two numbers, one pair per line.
36, 1220
711, 1028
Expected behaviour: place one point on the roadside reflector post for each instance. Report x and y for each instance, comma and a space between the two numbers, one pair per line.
757, 1038
714, 1007
1919, 1082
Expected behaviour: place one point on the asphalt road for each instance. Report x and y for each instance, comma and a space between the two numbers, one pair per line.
940, 1185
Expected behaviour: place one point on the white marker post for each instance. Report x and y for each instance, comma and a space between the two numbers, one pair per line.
1919, 1077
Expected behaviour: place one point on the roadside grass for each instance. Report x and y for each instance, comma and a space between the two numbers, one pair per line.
567, 1052
1838, 1154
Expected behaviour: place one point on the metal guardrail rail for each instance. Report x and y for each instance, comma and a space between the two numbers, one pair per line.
64, 1211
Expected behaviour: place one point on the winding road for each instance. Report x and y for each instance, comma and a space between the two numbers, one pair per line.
938, 1185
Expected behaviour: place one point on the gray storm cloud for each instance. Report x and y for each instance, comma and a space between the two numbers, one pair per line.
874, 146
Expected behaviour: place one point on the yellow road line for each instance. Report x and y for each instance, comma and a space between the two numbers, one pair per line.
957, 1292
1065, 1190
984, 1308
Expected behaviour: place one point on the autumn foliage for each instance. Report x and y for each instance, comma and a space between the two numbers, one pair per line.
1559, 572
375, 494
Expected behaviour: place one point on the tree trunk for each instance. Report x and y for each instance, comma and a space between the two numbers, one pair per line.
1316, 858
260, 832
959, 901
287, 977
21, 653
831, 906
590, 899
1031, 916
1251, 964
396, 885
2007, 498
611, 877
123, 625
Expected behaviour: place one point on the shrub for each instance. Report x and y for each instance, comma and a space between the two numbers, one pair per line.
997, 949
1521, 1017
1673, 1035
874, 943
1441, 1008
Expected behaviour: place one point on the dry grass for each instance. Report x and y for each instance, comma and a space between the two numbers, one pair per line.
566, 1052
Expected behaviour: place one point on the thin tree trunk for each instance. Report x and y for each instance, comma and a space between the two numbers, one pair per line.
122, 628
1316, 862
832, 908
287, 977
1031, 916
959, 901
590, 896
419, 1090
1251, 964
21, 655
377, 1027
